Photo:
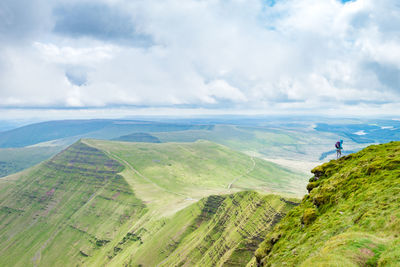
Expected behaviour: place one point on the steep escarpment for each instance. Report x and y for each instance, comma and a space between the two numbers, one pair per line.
350, 217
220, 230
65, 210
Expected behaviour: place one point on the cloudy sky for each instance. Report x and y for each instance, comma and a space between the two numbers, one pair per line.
199, 56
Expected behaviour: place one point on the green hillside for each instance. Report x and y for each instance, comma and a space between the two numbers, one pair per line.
122, 203
350, 217
199, 169
109, 203
65, 209
216, 231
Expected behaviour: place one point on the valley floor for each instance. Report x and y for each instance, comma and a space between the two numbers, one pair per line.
295, 165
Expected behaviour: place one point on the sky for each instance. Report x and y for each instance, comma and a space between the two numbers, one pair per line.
111, 58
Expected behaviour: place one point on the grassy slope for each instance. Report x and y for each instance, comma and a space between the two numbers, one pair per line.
216, 231
76, 209
195, 170
64, 209
13, 160
171, 176
349, 218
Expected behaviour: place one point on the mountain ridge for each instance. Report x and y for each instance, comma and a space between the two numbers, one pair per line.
75, 200
86, 207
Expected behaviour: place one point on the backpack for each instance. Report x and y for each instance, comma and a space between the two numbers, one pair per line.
337, 145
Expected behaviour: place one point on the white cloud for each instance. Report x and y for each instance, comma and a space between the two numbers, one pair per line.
294, 55
75, 55
223, 90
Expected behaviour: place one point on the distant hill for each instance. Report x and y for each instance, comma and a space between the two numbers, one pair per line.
13, 160
290, 142
350, 217
379, 131
23, 147
76, 129
46, 131
138, 137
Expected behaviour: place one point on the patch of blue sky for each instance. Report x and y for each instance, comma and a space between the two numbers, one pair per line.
269, 2
268, 16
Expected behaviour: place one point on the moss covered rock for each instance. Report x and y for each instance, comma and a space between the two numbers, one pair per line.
309, 216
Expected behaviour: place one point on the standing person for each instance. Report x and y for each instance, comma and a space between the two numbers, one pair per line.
339, 148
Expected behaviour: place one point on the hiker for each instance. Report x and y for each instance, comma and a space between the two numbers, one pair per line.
339, 148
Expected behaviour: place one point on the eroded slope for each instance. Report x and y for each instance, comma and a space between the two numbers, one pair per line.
222, 230
64, 210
